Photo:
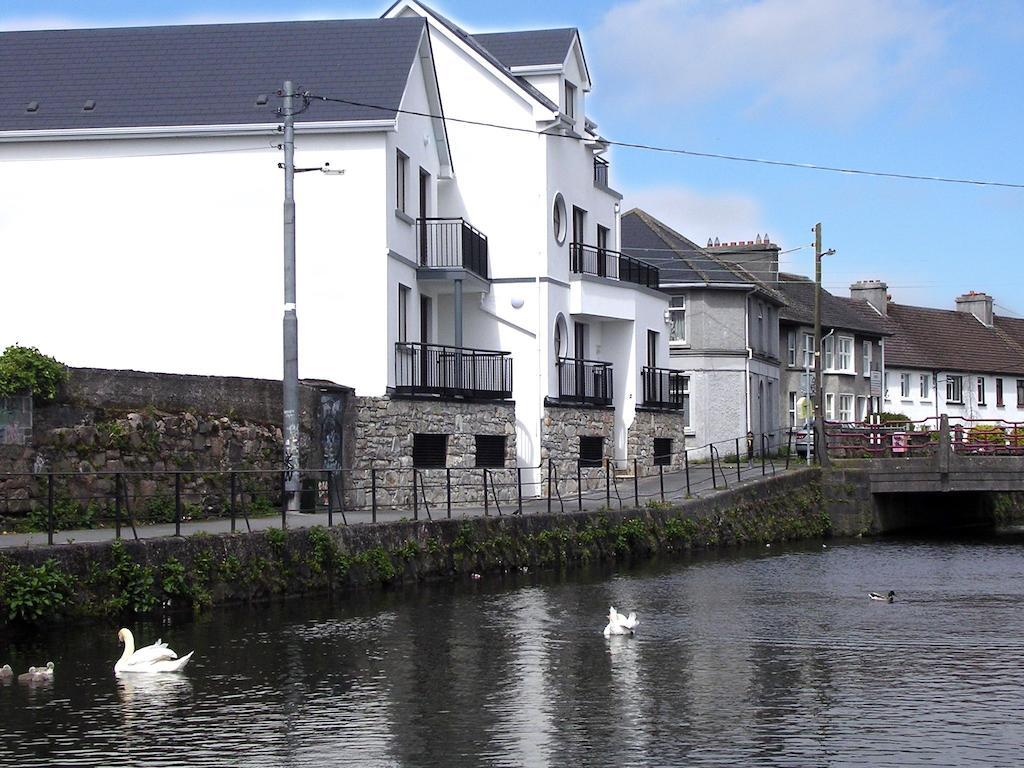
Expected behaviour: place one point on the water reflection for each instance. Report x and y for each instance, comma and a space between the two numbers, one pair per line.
777, 658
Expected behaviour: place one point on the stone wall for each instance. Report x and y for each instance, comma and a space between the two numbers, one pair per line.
647, 425
382, 439
560, 443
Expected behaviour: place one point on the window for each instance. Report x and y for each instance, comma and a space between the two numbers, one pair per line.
401, 179
955, 389
770, 408
865, 362
846, 408
828, 345
579, 224
999, 393
792, 409
844, 354
677, 317
429, 451
760, 326
558, 222
885, 385
403, 312
679, 388
570, 99
662, 451
560, 339
809, 350
1020, 393
905, 385
791, 348
490, 450
981, 390
652, 349
862, 408
591, 451
925, 386
830, 406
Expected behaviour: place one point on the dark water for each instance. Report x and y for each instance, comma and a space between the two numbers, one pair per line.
773, 657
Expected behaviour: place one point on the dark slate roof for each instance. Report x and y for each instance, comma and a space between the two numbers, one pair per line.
530, 47
202, 74
679, 259
836, 311
948, 340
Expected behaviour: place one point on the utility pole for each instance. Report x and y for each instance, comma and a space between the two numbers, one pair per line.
290, 393
819, 394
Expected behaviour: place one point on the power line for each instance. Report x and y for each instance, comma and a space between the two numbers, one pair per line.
152, 154
680, 151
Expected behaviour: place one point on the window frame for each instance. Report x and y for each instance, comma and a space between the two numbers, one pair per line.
924, 386
846, 413
792, 408
402, 332
401, 181
999, 392
905, 386
809, 361
838, 354
867, 355
569, 94
791, 349
681, 395
830, 406
673, 310
979, 389
954, 386
862, 407
1020, 393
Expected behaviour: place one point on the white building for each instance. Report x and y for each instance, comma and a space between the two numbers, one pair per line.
453, 261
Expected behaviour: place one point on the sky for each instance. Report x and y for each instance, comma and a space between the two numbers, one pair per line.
907, 86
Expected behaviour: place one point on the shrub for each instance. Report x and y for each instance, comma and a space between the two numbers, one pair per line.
26, 369
31, 593
992, 434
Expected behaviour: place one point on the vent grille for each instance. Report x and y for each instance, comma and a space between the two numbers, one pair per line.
591, 451
429, 451
662, 451
490, 450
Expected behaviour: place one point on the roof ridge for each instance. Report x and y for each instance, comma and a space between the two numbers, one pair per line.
656, 227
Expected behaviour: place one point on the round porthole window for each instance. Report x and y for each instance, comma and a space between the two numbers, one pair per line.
561, 337
558, 221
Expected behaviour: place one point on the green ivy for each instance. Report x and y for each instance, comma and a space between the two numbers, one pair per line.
26, 369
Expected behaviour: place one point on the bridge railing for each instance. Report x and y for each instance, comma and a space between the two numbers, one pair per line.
922, 437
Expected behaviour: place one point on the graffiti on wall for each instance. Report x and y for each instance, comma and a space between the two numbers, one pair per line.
15, 420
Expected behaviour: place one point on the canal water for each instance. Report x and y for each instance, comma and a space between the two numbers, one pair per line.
772, 656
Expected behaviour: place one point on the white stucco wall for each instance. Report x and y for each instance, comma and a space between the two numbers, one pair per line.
917, 407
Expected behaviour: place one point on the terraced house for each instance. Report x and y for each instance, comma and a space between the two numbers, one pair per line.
466, 280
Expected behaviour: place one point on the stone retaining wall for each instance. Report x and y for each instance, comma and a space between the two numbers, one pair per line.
383, 429
647, 425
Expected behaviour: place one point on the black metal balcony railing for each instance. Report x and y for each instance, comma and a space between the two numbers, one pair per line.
584, 381
591, 260
452, 243
664, 388
600, 171
433, 369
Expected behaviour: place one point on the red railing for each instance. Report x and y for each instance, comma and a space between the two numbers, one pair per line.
912, 438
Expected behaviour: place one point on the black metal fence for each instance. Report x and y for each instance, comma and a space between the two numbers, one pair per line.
603, 262
585, 381
666, 388
452, 371
452, 243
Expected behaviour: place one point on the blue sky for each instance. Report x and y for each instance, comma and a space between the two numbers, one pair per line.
931, 88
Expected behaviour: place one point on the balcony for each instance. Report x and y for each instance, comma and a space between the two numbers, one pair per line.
602, 262
584, 381
433, 369
665, 388
452, 244
600, 171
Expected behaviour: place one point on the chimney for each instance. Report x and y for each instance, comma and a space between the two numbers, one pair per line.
978, 304
874, 292
760, 257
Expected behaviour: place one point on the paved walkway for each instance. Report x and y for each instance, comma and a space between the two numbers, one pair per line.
650, 490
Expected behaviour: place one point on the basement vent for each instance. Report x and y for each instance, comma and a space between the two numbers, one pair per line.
429, 451
490, 450
662, 451
591, 451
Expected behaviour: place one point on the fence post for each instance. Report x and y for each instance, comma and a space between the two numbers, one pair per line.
686, 468
636, 485
579, 486
415, 495
177, 504
487, 510
714, 480
373, 492
234, 490
448, 488
549, 486
49, 508
661, 480
607, 483
330, 501
764, 448
738, 477
117, 505
789, 445
519, 490
284, 499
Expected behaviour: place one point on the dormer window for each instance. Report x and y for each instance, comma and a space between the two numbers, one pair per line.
570, 100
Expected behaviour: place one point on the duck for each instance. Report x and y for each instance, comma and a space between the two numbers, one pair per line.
619, 624
884, 598
153, 658
6, 673
46, 671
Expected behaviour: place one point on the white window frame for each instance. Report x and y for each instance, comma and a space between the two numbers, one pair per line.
904, 386
924, 386
792, 409
954, 389
830, 406
828, 353
862, 407
401, 180
980, 390
570, 99
846, 408
402, 333
866, 356
677, 314
838, 354
791, 348
684, 393
809, 351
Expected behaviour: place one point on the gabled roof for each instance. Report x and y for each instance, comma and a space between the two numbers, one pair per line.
949, 340
836, 311
529, 48
679, 259
205, 74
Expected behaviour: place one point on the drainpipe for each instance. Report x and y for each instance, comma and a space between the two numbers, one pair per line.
749, 357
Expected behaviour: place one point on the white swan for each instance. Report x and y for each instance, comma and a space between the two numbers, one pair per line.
46, 671
37, 675
153, 658
6, 673
619, 624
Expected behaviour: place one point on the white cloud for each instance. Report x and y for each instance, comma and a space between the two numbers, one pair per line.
699, 216
828, 60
